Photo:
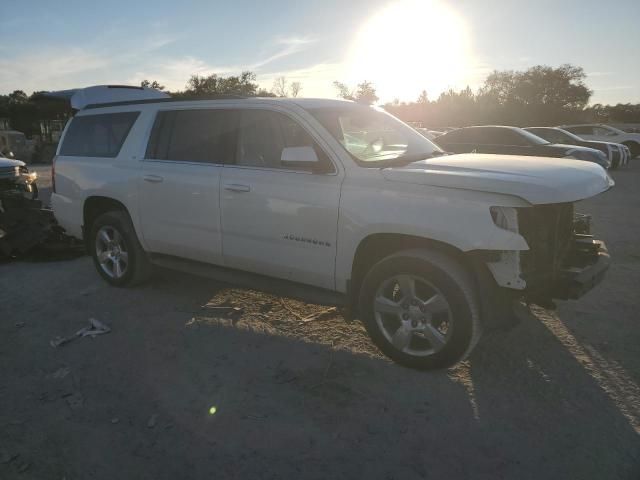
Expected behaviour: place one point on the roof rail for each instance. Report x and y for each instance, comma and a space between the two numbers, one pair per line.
165, 100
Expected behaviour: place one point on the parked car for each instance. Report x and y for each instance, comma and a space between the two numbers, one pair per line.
13, 143
331, 201
15, 176
430, 134
513, 141
615, 152
21, 223
606, 133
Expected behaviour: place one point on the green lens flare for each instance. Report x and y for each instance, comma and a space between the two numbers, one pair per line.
213, 410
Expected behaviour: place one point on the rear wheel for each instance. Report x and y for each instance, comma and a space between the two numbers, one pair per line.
116, 251
420, 309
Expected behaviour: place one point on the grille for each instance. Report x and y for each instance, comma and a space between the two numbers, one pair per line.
9, 172
548, 230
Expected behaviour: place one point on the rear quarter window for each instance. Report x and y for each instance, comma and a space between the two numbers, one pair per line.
99, 135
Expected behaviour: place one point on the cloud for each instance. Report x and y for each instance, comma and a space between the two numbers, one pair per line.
600, 74
65, 67
48, 69
173, 73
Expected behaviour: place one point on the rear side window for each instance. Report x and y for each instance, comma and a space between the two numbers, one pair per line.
98, 135
202, 136
462, 135
581, 130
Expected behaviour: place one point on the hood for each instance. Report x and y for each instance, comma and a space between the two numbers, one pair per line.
566, 146
8, 162
538, 180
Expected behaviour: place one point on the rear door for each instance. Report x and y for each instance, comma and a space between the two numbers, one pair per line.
501, 141
279, 220
180, 179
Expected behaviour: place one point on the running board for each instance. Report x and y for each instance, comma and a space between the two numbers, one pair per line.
275, 286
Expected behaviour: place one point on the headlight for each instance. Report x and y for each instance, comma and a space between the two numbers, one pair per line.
505, 218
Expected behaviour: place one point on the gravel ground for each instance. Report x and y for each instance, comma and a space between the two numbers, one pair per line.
555, 398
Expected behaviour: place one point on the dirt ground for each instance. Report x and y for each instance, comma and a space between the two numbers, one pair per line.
558, 397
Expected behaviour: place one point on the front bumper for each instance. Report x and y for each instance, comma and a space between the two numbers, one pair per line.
587, 267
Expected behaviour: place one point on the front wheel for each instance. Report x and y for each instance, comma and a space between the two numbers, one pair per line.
420, 309
634, 148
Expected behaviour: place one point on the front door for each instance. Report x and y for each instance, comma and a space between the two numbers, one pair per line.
180, 180
278, 220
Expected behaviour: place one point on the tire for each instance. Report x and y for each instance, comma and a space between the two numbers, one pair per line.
121, 246
440, 338
634, 148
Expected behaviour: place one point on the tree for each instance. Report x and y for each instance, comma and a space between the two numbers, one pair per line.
280, 87
295, 89
153, 84
562, 87
364, 93
423, 99
343, 91
243, 84
17, 97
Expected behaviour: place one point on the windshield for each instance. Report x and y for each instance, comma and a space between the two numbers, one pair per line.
534, 139
373, 137
611, 129
568, 136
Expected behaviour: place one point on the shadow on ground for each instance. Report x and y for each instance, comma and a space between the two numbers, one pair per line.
136, 403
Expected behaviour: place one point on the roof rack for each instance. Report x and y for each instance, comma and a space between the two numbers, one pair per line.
165, 100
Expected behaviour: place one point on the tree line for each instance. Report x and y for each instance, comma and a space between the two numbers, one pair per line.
540, 95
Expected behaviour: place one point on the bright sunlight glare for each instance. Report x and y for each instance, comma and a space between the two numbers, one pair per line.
410, 46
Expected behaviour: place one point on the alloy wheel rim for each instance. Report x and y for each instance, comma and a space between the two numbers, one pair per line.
111, 252
413, 315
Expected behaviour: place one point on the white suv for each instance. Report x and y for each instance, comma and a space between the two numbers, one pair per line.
336, 202
607, 133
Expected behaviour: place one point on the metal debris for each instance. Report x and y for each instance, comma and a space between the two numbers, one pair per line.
75, 401
96, 327
152, 421
61, 373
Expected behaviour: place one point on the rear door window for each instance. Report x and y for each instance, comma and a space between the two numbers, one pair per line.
200, 136
99, 135
499, 136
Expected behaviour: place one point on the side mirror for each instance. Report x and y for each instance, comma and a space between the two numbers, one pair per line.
305, 156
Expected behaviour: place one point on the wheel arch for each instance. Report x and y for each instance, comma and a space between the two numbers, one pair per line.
495, 302
377, 246
96, 205
634, 146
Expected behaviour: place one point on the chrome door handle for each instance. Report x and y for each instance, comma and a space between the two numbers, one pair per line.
234, 187
153, 178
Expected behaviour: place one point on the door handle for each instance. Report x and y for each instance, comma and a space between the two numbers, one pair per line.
153, 178
235, 187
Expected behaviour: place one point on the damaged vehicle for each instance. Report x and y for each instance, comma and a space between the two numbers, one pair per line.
330, 201
22, 224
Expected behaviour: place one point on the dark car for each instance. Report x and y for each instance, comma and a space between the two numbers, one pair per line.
613, 151
513, 141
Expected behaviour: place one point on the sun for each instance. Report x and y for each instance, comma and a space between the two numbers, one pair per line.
410, 46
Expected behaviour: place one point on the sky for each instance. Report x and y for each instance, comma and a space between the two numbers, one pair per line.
401, 46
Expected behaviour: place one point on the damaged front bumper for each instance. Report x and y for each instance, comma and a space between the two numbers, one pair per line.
586, 268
